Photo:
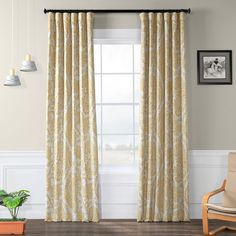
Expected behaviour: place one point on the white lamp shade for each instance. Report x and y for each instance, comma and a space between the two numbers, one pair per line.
28, 65
12, 79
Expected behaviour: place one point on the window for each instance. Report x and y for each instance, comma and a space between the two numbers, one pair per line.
117, 101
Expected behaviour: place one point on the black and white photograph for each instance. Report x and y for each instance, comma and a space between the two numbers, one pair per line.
214, 67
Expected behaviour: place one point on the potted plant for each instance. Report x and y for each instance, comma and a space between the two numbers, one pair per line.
13, 201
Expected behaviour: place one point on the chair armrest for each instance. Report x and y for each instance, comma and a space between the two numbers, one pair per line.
207, 196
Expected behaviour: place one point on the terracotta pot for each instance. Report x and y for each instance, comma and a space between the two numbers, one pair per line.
12, 227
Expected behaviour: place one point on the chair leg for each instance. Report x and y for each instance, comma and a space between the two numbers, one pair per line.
222, 228
205, 226
231, 228
205, 223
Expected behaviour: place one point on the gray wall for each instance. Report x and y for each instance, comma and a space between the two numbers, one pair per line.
211, 25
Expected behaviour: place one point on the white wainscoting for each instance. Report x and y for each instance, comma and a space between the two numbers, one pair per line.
118, 186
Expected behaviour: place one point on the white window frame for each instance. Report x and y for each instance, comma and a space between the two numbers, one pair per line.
119, 36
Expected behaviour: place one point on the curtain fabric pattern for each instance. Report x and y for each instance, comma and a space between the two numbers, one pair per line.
72, 163
163, 174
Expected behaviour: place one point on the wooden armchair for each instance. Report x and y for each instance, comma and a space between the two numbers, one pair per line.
227, 211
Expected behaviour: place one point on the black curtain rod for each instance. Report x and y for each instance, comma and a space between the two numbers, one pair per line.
188, 11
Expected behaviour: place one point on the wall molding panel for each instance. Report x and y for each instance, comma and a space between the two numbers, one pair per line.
118, 186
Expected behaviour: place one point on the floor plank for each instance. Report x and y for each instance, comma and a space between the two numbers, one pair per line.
118, 228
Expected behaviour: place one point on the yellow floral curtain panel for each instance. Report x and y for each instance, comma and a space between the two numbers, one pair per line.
163, 173
72, 163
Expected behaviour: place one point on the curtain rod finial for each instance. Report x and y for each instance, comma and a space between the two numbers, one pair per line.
45, 10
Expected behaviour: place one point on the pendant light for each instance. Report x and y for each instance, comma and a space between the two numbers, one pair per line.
28, 65
12, 79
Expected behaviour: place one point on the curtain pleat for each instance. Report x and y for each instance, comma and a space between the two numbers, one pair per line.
163, 172
72, 165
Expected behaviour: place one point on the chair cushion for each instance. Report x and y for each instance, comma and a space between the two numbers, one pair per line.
222, 209
229, 200
232, 161
221, 213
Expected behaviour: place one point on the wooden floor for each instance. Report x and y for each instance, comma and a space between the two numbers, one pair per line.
117, 227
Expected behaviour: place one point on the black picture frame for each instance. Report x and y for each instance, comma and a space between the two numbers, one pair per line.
214, 67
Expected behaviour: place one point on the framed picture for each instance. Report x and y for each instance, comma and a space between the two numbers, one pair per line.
214, 67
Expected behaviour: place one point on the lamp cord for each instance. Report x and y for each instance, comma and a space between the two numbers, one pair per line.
28, 27
12, 30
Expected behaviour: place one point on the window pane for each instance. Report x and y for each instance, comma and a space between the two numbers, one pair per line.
98, 88
136, 88
117, 58
97, 58
137, 52
136, 119
117, 119
117, 149
98, 118
117, 88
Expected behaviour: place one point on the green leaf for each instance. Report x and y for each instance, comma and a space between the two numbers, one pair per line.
3, 193
23, 193
12, 202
